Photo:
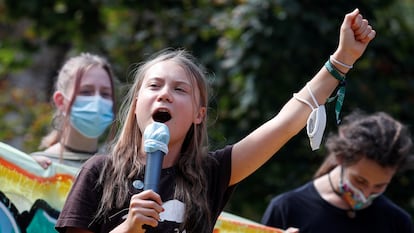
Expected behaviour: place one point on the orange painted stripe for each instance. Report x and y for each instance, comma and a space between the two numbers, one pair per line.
230, 225
57, 177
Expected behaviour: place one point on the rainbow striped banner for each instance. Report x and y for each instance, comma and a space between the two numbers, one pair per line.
31, 197
230, 223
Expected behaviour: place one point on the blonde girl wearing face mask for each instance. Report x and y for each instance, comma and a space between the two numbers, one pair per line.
84, 98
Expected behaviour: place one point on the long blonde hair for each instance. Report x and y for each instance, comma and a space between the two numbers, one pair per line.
124, 163
69, 78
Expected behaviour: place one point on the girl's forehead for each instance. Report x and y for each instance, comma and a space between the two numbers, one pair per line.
96, 75
167, 70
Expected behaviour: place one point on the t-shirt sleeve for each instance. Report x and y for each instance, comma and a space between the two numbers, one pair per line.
83, 199
220, 179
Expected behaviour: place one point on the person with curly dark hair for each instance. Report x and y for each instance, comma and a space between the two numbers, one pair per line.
347, 192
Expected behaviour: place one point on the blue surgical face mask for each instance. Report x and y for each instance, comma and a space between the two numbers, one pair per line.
91, 115
353, 196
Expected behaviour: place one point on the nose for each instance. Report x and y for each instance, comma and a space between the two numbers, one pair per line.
367, 193
165, 94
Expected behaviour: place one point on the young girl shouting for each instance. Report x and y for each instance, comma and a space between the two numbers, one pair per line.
195, 184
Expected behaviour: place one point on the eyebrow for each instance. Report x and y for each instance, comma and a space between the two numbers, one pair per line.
106, 88
366, 181
93, 86
156, 78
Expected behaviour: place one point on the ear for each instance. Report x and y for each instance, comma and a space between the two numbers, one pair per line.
201, 114
59, 101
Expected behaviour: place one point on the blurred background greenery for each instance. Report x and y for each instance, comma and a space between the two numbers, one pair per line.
258, 53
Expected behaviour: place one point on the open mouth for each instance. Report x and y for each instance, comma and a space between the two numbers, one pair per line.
161, 116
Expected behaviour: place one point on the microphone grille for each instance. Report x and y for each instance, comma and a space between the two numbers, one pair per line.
156, 137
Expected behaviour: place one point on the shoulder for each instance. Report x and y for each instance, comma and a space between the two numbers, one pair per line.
95, 161
93, 165
385, 209
226, 151
393, 209
289, 203
218, 158
88, 176
294, 195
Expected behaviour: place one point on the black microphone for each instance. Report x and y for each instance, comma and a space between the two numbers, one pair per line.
156, 138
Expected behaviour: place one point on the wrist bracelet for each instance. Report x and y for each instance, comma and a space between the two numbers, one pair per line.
340, 94
335, 73
340, 63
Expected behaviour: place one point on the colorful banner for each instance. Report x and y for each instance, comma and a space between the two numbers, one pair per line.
31, 197
229, 223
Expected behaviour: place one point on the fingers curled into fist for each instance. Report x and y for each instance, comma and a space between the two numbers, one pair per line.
362, 30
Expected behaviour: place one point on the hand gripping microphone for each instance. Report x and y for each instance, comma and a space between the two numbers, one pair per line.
156, 138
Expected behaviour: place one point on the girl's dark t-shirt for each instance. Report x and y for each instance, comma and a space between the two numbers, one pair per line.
83, 199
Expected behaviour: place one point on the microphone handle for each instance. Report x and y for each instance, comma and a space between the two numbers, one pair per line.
153, 170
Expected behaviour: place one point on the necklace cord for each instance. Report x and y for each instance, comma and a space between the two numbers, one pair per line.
70, 149
350, 212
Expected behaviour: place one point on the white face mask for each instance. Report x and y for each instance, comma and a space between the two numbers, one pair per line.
316, 126
316, 121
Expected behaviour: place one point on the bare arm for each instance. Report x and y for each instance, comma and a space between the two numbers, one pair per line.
254, 150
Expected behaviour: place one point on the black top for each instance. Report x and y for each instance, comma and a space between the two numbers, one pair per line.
305, 209
84, 197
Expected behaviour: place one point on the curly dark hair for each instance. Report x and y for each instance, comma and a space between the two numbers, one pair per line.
378, 137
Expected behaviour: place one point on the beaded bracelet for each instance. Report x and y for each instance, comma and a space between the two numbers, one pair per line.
340, 94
